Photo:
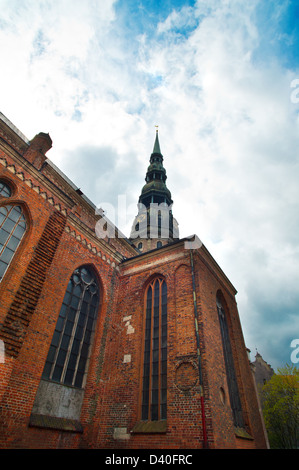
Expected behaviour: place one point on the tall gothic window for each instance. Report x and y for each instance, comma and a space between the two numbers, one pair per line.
154, 382
70, 348
229, 365
12, 229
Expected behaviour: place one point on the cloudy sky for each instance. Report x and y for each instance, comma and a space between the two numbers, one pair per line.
221, 79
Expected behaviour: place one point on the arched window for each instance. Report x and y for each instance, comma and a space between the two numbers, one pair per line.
154, 382
5, 190
229, 365
12, 229
70, 348
159, 223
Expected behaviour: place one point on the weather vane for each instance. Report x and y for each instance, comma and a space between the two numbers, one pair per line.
157, 127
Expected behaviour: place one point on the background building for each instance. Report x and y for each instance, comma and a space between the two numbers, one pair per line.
109, 343
262, 370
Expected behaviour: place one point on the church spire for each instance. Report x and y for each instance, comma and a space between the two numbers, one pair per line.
154, 225
155, 189
157, 145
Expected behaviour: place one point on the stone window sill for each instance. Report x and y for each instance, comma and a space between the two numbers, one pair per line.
148, 427
52, 422
243, 434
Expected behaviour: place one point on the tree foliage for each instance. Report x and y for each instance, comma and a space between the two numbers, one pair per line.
280, 402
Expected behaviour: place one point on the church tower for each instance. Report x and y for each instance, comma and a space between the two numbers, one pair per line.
154, 225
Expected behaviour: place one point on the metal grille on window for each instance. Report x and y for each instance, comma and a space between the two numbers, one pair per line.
69, 352
230, 369
4, 189
12, 229
154, 391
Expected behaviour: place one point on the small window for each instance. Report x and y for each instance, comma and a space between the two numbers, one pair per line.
139, 246
12, 229
159, 244
5, 190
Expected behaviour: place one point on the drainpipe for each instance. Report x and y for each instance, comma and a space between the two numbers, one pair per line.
203, 417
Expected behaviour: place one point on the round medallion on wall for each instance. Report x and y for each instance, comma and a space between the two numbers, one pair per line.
186, 376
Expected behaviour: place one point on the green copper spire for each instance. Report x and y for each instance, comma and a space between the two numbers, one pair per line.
157, 145
155, 189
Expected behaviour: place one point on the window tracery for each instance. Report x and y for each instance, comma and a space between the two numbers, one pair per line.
154, 382
70, 348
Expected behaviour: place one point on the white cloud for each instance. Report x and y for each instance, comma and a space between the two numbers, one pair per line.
228, 130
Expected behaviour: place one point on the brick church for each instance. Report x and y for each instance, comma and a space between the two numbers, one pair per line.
108, 342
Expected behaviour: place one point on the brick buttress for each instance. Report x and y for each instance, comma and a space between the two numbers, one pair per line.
20, 312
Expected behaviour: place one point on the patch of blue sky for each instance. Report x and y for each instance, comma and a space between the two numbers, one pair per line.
179, 32
77, 115
137, 105
3, 24
39, 45
278, 28
81, 99
143, 16
135, 108
154, 81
